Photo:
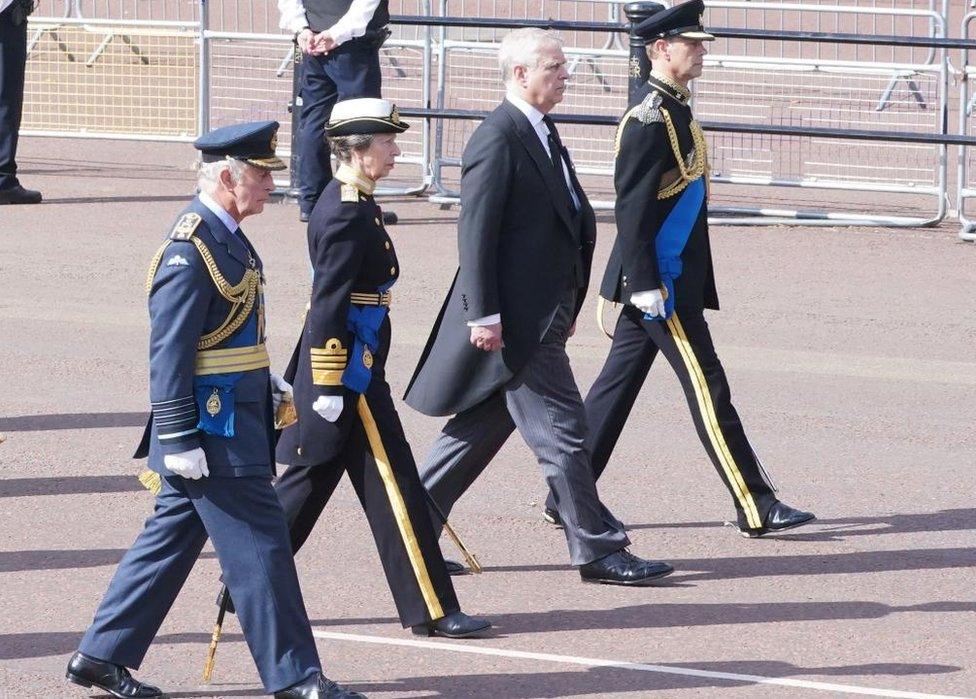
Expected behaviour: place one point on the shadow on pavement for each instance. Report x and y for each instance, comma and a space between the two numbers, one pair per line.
70, 485
64, 559
695, 569
602, 681
71, 421
143, 198
659, 616
838, 528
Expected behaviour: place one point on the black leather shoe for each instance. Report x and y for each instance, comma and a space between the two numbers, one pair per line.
551, 516
19, 195
390, 218
454, 568
779, 518
623, 568
113, 678
454, 625
303, 216
318, 687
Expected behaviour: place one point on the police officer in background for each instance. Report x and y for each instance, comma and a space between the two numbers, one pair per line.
347, 421
341, 40
661, 269
13, 60
210, 440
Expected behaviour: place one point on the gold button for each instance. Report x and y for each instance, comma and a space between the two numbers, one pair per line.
392, 270
387, 245
377, 221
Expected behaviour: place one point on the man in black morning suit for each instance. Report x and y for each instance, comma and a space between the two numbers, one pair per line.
496, 357
661, 269
210, 442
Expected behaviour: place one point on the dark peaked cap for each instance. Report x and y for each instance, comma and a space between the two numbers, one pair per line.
681, 20
253, 142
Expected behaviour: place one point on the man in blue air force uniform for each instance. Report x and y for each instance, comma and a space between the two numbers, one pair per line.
210, 438
661, 270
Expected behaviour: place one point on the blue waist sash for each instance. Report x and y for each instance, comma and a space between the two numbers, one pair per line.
215, 393
673, 237
364, 323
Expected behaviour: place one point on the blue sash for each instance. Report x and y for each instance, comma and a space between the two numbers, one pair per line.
673, 237
364, 323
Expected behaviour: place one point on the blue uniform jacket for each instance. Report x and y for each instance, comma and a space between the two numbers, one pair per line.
186, 304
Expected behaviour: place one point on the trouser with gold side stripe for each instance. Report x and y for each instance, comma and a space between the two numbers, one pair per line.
380, 465
687, 345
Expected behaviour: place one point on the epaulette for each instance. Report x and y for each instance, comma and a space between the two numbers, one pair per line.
649, 111
185, 227
349, 193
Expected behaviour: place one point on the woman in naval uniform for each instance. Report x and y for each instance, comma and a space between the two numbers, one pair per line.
346, 417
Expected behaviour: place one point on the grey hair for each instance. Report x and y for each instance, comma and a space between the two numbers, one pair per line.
521, 48
208, 174
342, 147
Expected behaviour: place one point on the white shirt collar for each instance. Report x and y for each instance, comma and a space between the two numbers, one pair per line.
534, 116
219, 211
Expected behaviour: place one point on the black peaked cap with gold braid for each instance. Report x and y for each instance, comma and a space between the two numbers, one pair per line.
253, 143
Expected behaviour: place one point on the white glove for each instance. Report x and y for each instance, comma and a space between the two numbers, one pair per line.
279, 387
190, 464
329, 407
651, 302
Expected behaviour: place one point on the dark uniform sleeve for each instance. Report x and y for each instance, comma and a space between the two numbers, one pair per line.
642, 159
178, 301
337, 254
485, 185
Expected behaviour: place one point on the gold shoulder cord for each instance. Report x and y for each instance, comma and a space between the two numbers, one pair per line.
699, 165
241, 295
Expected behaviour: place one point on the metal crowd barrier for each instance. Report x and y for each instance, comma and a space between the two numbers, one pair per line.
966, 188
165, 70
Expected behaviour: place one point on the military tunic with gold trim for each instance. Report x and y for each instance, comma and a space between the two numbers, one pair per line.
343, 351
209, 381
660, 152
662, 242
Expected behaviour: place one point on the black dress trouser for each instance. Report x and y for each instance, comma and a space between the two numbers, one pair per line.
382, 469
686, 343
13, 61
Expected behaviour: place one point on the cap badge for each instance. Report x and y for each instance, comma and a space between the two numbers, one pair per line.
274, 141
395, 115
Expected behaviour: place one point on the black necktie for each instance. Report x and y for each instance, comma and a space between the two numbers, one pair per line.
556, 156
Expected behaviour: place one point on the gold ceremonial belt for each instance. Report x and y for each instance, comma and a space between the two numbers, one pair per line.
364, 299
231, 359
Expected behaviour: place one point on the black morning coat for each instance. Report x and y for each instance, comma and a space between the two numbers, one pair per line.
521, 251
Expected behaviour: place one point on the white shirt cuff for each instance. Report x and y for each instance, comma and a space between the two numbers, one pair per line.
493, 319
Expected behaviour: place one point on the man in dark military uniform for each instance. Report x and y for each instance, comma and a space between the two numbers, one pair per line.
661, 269
341, 41
210, 440
13, 66
346, 417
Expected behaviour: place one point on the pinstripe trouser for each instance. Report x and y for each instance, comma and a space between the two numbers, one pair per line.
686, 343
544, 404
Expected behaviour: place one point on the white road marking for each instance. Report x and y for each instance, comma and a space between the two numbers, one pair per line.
623, 665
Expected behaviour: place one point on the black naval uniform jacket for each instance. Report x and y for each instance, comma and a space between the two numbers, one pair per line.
351, 254
521, 251
646, 162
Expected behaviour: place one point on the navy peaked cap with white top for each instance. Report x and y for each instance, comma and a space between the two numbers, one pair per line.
681, 20
253, 143
364, 115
